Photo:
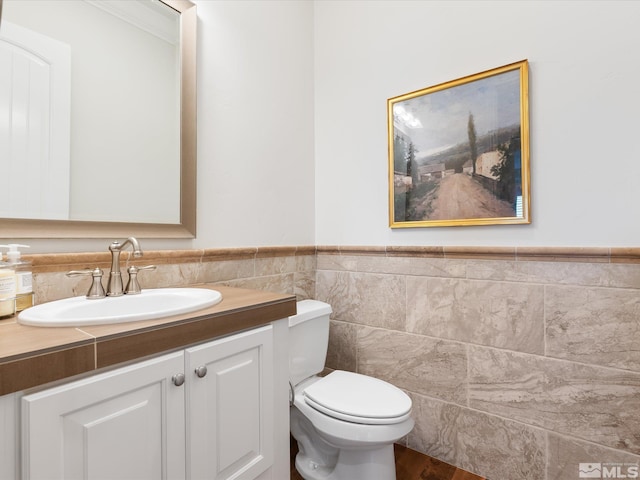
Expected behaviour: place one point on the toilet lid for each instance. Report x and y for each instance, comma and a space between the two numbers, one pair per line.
358, 398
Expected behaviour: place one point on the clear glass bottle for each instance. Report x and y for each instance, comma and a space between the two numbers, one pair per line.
23, 275
7, 289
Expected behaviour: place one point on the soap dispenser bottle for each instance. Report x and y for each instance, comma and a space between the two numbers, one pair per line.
7, 289
24, 277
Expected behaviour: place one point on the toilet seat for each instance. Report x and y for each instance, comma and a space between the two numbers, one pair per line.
358, 399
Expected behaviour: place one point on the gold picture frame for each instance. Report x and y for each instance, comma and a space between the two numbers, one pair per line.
459, 151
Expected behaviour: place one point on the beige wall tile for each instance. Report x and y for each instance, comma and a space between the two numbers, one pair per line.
275, 265
432, 367
594, 325
167, 275
561, 273
593, 403
435, 267
306, 263
430, 267
272, 283
435, 432
223, 270
369, 299
483, 444
566, 455
304, 285
341, 354
497, 448
56, 285
337, 262
499, 314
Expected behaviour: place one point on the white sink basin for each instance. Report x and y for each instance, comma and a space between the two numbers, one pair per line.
150, 304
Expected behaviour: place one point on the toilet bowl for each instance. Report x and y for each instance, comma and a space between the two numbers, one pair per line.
345, 423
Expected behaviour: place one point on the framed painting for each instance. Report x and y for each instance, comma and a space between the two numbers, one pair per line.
459, 151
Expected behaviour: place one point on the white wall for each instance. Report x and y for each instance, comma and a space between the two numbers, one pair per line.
584, 110
255, 123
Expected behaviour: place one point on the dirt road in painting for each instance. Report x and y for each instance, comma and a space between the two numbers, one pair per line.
458, 196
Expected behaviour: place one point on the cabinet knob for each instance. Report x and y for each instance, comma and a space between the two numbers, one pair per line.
201, 371
178, 379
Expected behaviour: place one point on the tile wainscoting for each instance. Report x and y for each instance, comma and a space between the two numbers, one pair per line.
521, 362
277, 269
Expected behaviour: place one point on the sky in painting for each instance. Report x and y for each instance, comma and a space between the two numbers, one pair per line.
494, 102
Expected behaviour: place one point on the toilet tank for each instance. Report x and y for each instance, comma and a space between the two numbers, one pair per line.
308, 339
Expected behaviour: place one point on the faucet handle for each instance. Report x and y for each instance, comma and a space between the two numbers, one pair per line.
133, 287
96, 290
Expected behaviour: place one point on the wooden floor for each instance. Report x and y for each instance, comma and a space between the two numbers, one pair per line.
410, 465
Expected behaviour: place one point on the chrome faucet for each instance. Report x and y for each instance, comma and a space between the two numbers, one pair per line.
114, 288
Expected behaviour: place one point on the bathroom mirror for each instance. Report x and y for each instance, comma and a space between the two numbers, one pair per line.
123, 117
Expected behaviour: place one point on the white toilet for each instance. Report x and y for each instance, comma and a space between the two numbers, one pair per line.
345, 423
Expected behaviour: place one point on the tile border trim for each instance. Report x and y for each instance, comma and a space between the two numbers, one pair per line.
61, 262
54, 262
521, 254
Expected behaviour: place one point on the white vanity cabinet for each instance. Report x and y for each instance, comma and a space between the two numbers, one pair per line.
230, 407
141, 422
127, 423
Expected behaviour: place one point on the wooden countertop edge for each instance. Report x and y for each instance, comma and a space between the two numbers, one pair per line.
121, 348
56, 362
41, 368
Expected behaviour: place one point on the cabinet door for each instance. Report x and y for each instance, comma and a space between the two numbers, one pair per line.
123, 424
9, 436
230, 408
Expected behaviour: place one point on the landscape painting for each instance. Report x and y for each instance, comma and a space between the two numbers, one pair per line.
459, 151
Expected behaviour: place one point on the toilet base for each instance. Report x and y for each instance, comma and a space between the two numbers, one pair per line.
317, 459
375, 464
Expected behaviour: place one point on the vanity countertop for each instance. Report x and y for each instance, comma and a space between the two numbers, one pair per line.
32, 356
